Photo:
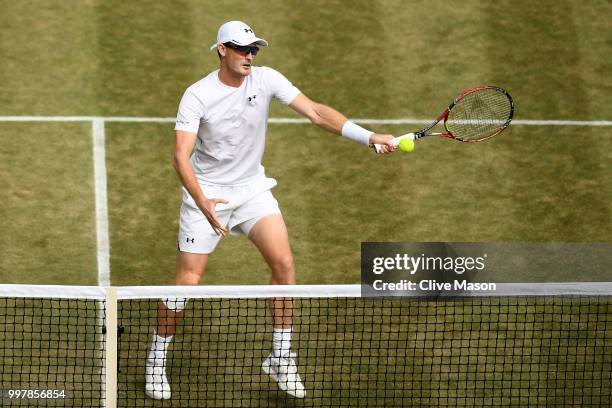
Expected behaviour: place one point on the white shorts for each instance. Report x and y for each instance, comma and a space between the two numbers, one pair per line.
247, 205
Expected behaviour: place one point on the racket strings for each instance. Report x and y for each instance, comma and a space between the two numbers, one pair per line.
480, 114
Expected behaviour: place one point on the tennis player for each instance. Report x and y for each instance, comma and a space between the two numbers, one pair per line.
222, 119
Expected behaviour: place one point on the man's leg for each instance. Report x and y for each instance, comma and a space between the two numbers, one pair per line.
270, 236
189, 269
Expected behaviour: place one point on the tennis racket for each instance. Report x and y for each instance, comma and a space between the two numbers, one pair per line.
477, 114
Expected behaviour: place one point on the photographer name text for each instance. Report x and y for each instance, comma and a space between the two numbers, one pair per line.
431, 285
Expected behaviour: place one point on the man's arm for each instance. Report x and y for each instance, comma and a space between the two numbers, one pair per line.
184, 143
333, 121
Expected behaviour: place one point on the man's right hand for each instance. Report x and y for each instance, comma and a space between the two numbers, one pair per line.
385, 142
207, 206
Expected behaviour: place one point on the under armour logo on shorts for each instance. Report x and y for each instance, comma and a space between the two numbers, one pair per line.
192, 240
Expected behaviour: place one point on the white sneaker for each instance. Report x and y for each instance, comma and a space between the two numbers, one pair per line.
156, 383
284, 371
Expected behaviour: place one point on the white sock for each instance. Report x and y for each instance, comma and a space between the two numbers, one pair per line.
281, 341
159, 349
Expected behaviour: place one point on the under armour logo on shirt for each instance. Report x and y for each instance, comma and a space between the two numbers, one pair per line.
248, 30
252, 98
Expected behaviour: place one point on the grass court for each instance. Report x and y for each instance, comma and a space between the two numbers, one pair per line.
384, 59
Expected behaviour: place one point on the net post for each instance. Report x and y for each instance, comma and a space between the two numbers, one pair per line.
110, 365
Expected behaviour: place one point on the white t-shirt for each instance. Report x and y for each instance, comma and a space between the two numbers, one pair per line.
231, 124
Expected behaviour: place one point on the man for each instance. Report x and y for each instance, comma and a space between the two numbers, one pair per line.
224, 116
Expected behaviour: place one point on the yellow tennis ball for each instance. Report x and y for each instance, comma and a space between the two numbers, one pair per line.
406, 145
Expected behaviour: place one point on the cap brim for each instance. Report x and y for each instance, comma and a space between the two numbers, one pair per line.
261, 41
258, 41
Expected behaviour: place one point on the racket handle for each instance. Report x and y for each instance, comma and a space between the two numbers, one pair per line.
395, 141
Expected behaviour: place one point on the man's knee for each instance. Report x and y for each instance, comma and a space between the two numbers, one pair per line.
188, 276
283, 270
189, 268
284, 263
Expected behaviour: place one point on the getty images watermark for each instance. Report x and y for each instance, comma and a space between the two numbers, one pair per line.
413, 264
452, 268
428, 269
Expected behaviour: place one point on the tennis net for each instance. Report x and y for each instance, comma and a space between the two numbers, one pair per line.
522, 345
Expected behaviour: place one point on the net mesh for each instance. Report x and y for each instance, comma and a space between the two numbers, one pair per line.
480, 114
378, 352
51, 352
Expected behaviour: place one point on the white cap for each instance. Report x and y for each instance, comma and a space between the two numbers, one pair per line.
237, 32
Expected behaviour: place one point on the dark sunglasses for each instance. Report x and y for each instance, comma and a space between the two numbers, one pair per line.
244, 49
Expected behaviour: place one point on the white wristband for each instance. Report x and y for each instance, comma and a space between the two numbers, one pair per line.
356, 133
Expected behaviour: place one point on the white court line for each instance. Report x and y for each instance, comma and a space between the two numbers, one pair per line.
390, 121
528, 122
48, 118
103, 252
103, 243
